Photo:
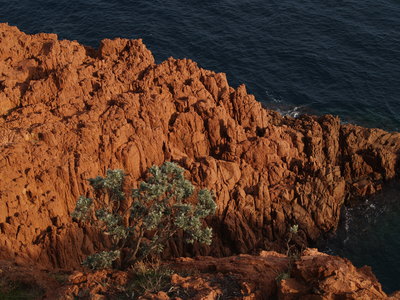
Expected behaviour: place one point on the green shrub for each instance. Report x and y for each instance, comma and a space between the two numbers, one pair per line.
159, 209
149, 278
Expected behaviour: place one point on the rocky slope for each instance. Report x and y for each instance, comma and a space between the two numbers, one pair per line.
68, 113
314, 276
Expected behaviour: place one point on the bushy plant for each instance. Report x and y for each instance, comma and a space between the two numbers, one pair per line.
159, 209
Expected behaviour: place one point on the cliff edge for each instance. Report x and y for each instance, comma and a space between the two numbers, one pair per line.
69, 113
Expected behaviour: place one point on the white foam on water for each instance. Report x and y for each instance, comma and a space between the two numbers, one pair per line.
347, 221
275, 102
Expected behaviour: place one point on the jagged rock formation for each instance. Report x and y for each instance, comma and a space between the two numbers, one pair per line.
69, 112
314, 276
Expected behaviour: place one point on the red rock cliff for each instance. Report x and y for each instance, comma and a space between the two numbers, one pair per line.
70, 112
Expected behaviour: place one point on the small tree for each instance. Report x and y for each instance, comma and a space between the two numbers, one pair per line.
158, 210
291, 253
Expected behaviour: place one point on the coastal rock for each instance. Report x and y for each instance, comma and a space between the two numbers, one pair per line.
314, 276
320, 276
70, 112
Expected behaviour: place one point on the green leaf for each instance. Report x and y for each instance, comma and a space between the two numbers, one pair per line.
101, 260
83, 206
160, 207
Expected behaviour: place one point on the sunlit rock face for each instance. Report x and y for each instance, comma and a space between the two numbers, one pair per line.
70, 112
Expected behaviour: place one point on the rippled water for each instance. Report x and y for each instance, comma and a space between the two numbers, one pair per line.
340, 57
369, 234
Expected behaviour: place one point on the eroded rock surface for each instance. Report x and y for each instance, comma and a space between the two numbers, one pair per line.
320, 276
314, 276
69, 113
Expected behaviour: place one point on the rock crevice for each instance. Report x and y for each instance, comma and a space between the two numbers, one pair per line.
69, 113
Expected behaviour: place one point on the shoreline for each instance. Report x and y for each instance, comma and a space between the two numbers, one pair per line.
70, 112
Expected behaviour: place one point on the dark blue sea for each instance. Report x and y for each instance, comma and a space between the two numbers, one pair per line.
310, 56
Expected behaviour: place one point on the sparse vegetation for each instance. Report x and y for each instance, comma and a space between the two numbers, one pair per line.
159, 208
291, 253
293, 230
149, 278
13, 289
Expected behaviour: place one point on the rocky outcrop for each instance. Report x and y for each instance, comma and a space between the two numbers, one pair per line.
320, 276
314, 276
69, 112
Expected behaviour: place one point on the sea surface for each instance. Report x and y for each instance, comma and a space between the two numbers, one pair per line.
310, 56
369, 234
